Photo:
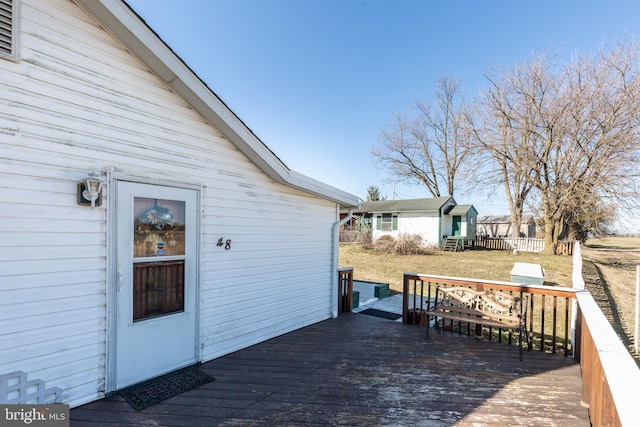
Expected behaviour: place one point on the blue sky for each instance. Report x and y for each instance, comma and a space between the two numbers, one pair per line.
317, 80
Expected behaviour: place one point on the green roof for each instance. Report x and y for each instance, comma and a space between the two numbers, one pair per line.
461, 210
410, 205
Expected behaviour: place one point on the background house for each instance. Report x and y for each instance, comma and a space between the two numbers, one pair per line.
430, 218
198, 221
500, 226
463, 221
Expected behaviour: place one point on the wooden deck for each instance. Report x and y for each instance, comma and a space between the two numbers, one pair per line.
359, 370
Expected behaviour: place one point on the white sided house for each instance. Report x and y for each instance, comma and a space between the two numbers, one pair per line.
432, 219
200, 242
500, 226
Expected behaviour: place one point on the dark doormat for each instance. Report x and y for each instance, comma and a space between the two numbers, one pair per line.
161, 388
380, 313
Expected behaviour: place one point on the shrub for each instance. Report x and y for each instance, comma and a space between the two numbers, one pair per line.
384, 244
364, 239
405, 244
408, 244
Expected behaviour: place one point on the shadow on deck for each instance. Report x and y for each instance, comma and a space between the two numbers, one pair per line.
360, 370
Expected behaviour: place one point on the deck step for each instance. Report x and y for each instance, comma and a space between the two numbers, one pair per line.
450, 244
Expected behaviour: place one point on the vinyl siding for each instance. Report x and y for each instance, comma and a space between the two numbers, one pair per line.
79, 102
423, 224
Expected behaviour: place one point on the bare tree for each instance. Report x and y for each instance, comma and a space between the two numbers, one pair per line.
591, 138
503, 125
569, 134
429, 148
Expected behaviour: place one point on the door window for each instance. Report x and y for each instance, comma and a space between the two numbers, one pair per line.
159, 257
158, 227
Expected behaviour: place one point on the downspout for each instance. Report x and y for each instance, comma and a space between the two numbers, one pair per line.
439, 236
334, 261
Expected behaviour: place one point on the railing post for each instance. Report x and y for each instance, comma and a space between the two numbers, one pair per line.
577, 282
345, 290
405, 297
408, 291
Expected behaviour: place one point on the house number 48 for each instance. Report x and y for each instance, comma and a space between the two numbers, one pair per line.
225, 243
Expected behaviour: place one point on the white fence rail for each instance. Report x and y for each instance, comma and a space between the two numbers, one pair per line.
522, 244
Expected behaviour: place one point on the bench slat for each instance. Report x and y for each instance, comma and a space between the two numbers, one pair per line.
490, 308
479, 320
474, 314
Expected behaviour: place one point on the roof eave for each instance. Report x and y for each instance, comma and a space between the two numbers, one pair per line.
127, 27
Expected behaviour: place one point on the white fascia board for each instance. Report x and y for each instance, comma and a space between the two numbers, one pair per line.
303, 182
399, 211
127, 27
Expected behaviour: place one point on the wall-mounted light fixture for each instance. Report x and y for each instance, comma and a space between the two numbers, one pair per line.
90, 190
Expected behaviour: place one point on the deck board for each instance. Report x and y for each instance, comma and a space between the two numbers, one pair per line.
360, 370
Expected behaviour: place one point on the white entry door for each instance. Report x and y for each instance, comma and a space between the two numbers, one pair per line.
156, 296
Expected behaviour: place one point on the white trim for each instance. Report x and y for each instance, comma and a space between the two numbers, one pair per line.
122, 22
112, 276
123, 176
618, 367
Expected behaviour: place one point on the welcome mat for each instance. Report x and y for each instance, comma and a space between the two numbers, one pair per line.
380, 313
161, 388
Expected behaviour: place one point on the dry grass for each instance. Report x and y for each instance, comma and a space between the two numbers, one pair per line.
615, 259
477, 264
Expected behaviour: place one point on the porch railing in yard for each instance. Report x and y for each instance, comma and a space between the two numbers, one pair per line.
345, 290
548, 313
611, 378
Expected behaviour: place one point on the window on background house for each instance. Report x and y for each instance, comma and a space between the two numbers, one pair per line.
9, 19
387, 222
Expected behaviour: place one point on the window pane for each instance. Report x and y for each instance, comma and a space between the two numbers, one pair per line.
158, 227
386, 222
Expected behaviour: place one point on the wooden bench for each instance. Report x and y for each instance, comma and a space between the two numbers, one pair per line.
494, 309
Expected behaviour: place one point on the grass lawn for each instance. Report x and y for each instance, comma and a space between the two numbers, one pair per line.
475, 264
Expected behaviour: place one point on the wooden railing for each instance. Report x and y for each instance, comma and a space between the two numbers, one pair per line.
610, 376
548, 318
345, 290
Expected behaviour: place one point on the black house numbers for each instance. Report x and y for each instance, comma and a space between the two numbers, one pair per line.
225, 243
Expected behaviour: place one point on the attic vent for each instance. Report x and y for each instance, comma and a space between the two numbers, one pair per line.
8, 27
